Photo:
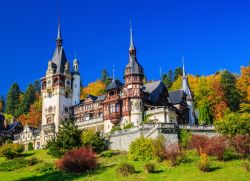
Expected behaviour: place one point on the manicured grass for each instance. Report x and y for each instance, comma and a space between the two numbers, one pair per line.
187, 170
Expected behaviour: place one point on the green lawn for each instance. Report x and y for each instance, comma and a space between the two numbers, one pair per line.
231, 170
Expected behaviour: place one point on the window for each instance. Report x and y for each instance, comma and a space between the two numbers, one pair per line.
49, 94
75, 85
117, 107
66, 94
112, 108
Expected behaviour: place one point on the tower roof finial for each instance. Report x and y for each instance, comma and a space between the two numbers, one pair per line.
183, 68
59, 36
132, 47
113, 72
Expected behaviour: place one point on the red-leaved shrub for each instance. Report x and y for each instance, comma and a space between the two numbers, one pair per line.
198, 142
172, 153
242, 144
215, 146
77, 160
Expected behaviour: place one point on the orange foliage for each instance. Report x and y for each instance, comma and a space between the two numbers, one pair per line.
96, 88
243, 83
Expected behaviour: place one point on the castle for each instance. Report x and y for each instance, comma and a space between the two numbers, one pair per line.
133, 102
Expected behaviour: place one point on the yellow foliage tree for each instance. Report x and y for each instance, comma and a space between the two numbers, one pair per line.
243, 84
96, 88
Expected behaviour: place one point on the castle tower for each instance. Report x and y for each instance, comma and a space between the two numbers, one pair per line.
189, 97
76, 82
56, 91
134, 84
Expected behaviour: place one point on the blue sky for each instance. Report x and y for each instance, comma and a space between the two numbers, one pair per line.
212, 35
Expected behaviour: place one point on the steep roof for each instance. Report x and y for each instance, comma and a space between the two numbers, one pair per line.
101, 98
115, 84
154, 89
59, 60
176, 97
135, 67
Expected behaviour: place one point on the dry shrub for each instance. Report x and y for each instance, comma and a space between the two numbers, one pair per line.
172, 153
125, 169
197, 142
242, 144
149, 167
77, 160
215, 146
246, 166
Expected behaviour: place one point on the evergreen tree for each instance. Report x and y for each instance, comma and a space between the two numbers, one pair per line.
167, 79
105, 77
2, 104
37, 87
13, 100
29, 98
228, 82
177, 72
68, 137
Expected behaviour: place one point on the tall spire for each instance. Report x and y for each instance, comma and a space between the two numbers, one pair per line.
183, 68
185, 86
132, 46
59, 37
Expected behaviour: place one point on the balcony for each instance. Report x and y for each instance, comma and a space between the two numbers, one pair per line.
89, 122
49, 128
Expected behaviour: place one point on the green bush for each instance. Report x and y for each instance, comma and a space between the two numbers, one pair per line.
159, 148
108, 153
47, 167
12, 165
115, 128
68, 137
11, 150
32, 161
149, 167
230, 154
93, 140
233, 124
141, 149
30, 146
128, 126
185, 137
125, 169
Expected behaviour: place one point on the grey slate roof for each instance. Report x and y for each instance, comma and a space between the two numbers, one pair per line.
101, 98
154, 89
59, 60
135, 67
91, 96
115, 84
176, 97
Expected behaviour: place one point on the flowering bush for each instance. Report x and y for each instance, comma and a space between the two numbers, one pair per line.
197, 142
215, 146
77, 160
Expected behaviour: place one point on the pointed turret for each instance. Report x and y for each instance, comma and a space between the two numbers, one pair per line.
133, 67
59, 38
185, 86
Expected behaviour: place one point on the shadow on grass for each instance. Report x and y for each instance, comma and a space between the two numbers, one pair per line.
158, 171
214, 168
62, 176
26, 154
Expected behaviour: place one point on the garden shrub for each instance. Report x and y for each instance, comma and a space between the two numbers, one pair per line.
77, 160
204, 164
30, 146
185, 137
125, 169
141, 149
173, 153
149, 167
242, 144
11, 150
197, 142
32, 161
115, 128
230, 154
47, 167
128, 126
108, 153
215, 146
13, 164
93, 140
68, 137
159, 148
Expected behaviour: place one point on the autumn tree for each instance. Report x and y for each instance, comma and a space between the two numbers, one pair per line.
243, 84
178, 72
13, 100
96, 88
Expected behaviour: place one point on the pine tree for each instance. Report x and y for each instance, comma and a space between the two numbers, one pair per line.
105, 77
2, 104
228, 82
29, 98
37, 87
13, 100
177, 72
